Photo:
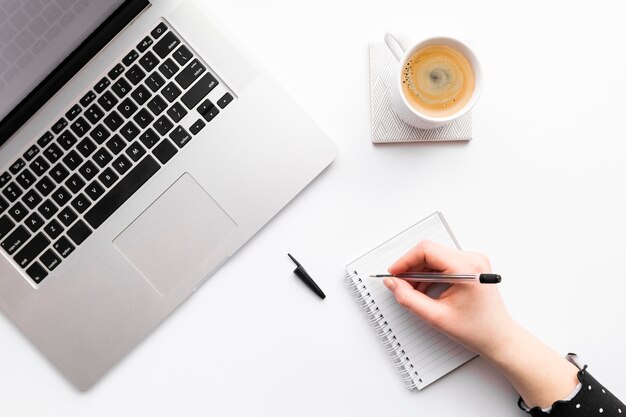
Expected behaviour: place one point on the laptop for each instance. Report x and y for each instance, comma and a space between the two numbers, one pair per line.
141, 147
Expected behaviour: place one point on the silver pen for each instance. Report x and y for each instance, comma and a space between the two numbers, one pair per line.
447, 278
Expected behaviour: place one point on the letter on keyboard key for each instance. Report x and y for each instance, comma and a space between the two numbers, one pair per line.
203, 87
32, 250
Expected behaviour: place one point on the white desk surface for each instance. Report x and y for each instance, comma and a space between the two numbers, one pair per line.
540, 190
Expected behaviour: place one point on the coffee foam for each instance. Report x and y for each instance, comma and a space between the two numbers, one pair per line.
437, 81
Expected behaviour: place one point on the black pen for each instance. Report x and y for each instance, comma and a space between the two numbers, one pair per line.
306, 278
448, 278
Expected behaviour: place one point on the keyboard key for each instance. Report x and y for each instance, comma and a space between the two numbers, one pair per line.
4, 179
67, 139
61, 196
116, 144
116, 71
79, 232
86, 147
158, 31
129, 131
155, 81
182, 55
108, 177
12, 192
208, 110
31, 250
16, 239
88, 170
102, 85
3, 204
94, 190
59, 126
107, 100
135, 151
113, 121
163, 125
47, 209
197, 127
63, 246
176, 112
102, 157
94, 114
53, 229
17, 166
190, 74
203, 87
164, 151
81, 203
144, 44
50, 260
45, 139
25, 178
157, 105
149, 61
121, 192
135, 74
73, 112
143, 118
45, 186
87, 98
18, 211
72, 160
75, 183
59, 173
166, 45
53, 153
34, 222
39, 166
121, 88
31, 199
225, 100
6, 225
99, 134
127, 108
31, 152
67, 216
168, 68
121, 164
141, 94
170, 92
36, 272
149, 138
180, 136
130, 57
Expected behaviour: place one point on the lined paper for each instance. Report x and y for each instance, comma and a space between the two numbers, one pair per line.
428, 353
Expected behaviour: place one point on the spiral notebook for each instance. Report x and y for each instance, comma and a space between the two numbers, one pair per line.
420, 353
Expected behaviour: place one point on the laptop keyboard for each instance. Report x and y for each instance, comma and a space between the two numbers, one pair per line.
103, 149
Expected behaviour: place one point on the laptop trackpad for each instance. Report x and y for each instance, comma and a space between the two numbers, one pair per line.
182, 230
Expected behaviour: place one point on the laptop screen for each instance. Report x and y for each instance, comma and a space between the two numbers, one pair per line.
37, 35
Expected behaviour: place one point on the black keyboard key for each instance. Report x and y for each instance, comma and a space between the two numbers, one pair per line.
63, 246
130, 57
59, 173
176, 112
164, 151
127, 108
100, 134
168, 68
144, 44
157, 105
108, 177
94, 114
4, 179
121, 88
12, 192
17, 166
25, 178
149, 138
53, 153
190, 74
75, 183
116, 71
163, 125
61, 196
180, 136
72, 160
45, 139
94, 190
135, 74
166, 45
67, 216
208, 110
155, 81
197, 126
73, 112
116, 144
31, 250
107, 100
67, 138
113, 121
170, 92
182, 55
45, 186
47, 209
3, 204
102, 85
16, 239
225, 100
87, 98
31, 199
199, 91
79, 232
59, 126
88, 170
149, 61
135, 151
53, 229
102, 157
31, 152
6, 225
121, 192
50, 260
34, 222
141, 94
130, 131
81, 203
86, 147
36, 272
143, 118
39, 166
159, 30
121, 164
18, 212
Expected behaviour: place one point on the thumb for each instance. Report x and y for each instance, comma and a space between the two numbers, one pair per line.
415, 301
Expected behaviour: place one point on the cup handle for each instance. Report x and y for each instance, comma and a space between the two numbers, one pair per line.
394, 46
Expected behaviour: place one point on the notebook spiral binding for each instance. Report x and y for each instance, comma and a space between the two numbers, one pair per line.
383, 330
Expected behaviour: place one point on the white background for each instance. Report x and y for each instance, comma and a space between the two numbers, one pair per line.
540, 190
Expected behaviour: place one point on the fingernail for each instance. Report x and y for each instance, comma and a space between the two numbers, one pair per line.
389, 283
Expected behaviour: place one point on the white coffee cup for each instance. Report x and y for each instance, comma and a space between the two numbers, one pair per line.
399, 102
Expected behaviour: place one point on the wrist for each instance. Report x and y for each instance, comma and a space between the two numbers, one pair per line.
506, 345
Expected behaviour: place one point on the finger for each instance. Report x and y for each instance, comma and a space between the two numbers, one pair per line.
423, 286
415, 301
426, 254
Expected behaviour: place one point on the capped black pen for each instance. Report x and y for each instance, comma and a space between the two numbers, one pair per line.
306, 278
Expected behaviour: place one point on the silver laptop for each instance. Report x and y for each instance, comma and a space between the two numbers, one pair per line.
141, 147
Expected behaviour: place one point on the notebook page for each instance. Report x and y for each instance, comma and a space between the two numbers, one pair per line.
425, 353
